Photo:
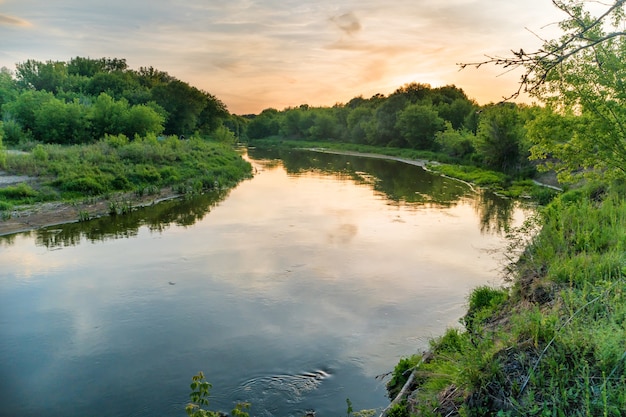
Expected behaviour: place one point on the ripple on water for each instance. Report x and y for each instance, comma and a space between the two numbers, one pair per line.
270, 391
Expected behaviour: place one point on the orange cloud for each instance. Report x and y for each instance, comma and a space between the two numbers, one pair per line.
12, 21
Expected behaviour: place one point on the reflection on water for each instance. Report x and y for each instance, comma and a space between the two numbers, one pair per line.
394, 180
398, 182
157, 218
292, 292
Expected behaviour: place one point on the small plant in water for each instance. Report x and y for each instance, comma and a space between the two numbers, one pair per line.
113, 208
199, 397
83, 216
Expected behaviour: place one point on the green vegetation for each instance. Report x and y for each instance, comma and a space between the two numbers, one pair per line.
199, 397
82, 100
116, 164
553, 342
94, 127
416, 122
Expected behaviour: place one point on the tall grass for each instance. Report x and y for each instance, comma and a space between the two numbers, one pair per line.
554, 344
117, 164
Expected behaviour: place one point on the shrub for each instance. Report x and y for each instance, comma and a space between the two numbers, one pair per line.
85, 185
21, 190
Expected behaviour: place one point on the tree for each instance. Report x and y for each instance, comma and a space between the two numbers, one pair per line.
23, 108
108, 116
183, 103
60, 122
456, 143
418, 125
579, 76
264, 125
387, 113
141, 120
49, 76
500, 137
8, 88
3, 155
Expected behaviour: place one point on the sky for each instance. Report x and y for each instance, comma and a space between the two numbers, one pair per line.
257, 54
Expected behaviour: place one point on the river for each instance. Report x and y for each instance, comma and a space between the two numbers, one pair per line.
294, 291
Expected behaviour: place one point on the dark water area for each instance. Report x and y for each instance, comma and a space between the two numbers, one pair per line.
293, 291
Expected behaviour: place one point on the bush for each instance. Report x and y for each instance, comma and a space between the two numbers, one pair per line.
19, 191
84, 185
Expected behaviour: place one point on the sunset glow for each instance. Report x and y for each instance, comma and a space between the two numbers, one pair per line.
258, 54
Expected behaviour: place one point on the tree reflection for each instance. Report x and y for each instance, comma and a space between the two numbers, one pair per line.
495, 213
157, 218
398, 182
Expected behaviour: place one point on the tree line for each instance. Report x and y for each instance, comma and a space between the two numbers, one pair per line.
84, 99
415, 116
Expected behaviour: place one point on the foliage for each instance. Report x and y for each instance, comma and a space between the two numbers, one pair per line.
400, 374
199, 397
117, 164
579, 76
553, 344
419, 124
3, 156
500, 139
415, 117
82, 100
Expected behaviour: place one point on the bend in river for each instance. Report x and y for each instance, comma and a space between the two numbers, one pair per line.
292, 291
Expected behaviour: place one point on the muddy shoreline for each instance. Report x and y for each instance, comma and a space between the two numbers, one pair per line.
40, 215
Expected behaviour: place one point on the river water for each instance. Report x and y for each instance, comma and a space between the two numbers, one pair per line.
294, 291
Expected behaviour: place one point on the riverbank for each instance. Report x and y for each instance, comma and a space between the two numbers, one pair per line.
38, 215
53, 184
549, 343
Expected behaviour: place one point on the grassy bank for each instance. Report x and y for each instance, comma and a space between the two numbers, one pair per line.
115, 164
554, 342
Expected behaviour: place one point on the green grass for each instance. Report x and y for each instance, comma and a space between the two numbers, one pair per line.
116, 164
554, 344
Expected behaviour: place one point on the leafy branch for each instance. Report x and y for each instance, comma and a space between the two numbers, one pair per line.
580, 34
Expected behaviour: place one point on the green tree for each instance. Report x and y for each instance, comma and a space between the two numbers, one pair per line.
186, 106
500, 136
418, 124
456, 112
108, 116
141, 120
324, 127
23, 108
387, 132
8, 88
264, 125
361, 125
3, 155
579, 75
456, 143
60, 122
49, 76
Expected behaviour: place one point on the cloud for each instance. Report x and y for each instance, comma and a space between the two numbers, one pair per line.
347, 22
12, 21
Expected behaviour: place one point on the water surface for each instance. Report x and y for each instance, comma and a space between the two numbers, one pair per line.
293, 291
